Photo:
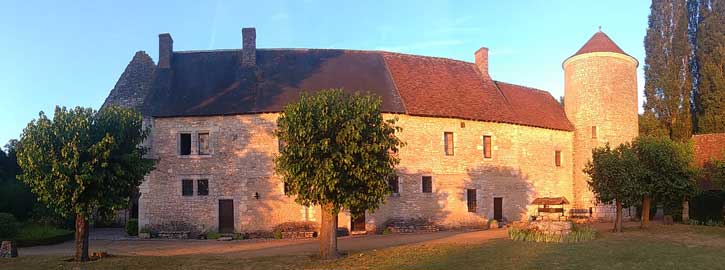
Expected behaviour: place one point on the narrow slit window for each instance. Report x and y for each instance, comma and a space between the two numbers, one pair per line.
448, 137
185, 144
394, 184
594, 132
204, 144
471, 199
187, 187
427, 183
202, 187
487, 146
557, 158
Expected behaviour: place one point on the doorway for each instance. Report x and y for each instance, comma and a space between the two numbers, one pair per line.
226, 216
498, 209
358, 224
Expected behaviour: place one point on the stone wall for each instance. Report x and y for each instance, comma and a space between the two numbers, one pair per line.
521, 168
601, 91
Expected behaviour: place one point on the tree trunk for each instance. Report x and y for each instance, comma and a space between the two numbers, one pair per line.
328, 233
646, 204
685, 211
618, 220
81, 238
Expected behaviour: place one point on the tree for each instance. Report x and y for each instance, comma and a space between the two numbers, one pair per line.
83, 160
15, 197
668, 173
614, 177
710, 69
338, 154
668, 80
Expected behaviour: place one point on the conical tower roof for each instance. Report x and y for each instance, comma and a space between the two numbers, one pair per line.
600, 42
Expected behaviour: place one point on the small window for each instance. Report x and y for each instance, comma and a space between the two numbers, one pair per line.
487, 146
471, 199
393, 183
185, 144
427, 183
557, 158
187, 187
448, 136
281, 144
594, 132
285, 189
203, 144
202, 187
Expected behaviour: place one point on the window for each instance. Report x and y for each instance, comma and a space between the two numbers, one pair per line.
203, 143
487, 146
427, 183
187, 187
594, 132
285, 189
448, 137
202, 187
471, 199
557, 158
281, 145
393, 183
185, 144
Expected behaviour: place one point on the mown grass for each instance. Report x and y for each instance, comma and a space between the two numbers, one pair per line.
634, 249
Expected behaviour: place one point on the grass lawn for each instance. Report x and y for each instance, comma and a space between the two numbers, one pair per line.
660, 247
34, 234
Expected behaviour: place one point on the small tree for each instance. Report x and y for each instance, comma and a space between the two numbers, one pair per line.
338, 154
83, 160
669, 175
614, 176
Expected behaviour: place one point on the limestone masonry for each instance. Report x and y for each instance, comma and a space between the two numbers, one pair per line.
212, 115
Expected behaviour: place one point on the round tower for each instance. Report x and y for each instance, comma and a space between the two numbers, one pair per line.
600, 100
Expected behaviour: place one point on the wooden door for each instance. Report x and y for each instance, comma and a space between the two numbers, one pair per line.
498, 208
358, 224
226, 216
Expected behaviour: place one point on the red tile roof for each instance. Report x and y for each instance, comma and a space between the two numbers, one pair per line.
709, 147
534, 107
599, 42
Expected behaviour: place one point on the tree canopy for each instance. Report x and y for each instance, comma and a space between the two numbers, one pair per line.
338, 153
83, 161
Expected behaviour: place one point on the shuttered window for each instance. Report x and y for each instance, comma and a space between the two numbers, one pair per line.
187, 187
487, 146
427, 183
202, 187
448, 137
557, 158
594, 132
185, 144
203, 143
471, 199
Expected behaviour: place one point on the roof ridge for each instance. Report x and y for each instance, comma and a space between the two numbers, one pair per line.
524, 86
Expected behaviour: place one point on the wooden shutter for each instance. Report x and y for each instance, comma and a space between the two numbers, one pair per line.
557, 158
427, 183
487, 146
448, 136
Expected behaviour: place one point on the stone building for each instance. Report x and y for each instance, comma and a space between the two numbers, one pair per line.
477, 149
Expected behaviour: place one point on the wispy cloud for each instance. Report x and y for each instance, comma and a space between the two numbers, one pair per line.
420, 45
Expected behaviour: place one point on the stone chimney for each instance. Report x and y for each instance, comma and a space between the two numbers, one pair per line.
482, 60
249, 47
166, 50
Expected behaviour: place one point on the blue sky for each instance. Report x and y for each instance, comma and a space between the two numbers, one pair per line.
72, 52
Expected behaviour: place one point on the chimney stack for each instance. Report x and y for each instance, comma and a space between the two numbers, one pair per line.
249, 47
482, 60
166, 50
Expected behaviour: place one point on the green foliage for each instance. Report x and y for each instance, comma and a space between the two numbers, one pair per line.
83, 160
713, 171
213, 235
296, 226
577, 234
615, 174
709, 100
36, 235
668, 170
15, 197
277, 235
339, 150
387, 231
9, 226
707, 206
132, 227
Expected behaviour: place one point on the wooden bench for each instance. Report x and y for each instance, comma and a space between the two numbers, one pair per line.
579, 213
551, 210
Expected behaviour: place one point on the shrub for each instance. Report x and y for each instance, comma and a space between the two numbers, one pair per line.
132, 227
296, 226
387, 231
8, 226
35, 234
213, 235
577, 234
277, 235
707, 206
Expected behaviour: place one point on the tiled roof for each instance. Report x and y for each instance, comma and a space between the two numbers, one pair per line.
600, 42
709, 147
214, 83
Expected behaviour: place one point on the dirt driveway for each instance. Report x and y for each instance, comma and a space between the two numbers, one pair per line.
261, 248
